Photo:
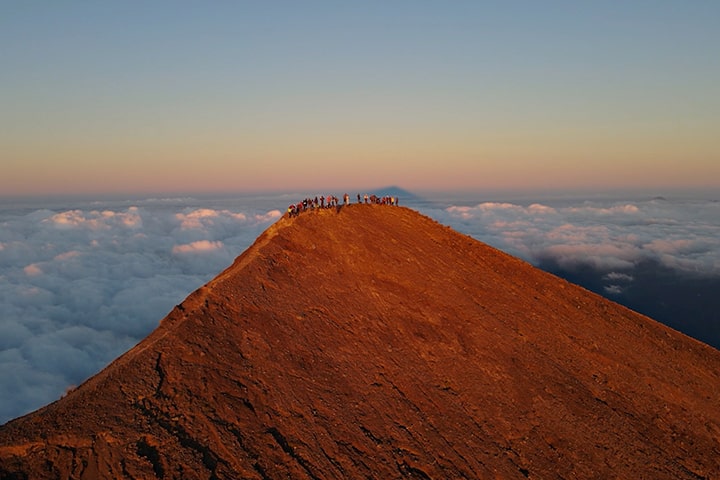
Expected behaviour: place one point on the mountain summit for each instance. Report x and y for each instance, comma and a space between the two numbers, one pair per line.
371, 342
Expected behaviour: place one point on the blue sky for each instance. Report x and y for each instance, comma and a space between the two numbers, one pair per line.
223, 96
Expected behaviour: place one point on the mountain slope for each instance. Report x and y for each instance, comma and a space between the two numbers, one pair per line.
372, 342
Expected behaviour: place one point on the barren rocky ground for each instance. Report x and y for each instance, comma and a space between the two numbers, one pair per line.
372, 342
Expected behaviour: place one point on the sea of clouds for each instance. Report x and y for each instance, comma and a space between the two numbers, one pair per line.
607, 235
83, 281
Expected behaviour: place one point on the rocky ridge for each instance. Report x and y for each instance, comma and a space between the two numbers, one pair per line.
369, 341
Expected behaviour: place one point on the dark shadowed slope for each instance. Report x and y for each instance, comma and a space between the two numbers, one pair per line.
376, 343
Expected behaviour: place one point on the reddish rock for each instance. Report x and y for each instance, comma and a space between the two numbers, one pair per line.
373, 342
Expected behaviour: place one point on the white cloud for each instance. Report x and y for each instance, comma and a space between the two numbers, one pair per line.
613, 289
618, 277
66, 255
96, 220
33, 270
202, 218
599, 256
589, 210
199, 246
197, 218
270, 216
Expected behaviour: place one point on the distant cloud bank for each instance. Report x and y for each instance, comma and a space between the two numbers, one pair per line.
681, 235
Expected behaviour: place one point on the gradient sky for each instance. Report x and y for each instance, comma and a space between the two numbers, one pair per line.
131, 97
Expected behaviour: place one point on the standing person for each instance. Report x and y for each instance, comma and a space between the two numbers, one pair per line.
346, 199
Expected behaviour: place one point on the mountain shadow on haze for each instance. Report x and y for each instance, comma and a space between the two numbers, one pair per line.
686, 302
372, 342
395, 191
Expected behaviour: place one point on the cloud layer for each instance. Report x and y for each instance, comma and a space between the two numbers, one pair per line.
80, 284
608, 236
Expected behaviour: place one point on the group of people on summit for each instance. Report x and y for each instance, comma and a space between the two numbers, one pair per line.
330, 201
